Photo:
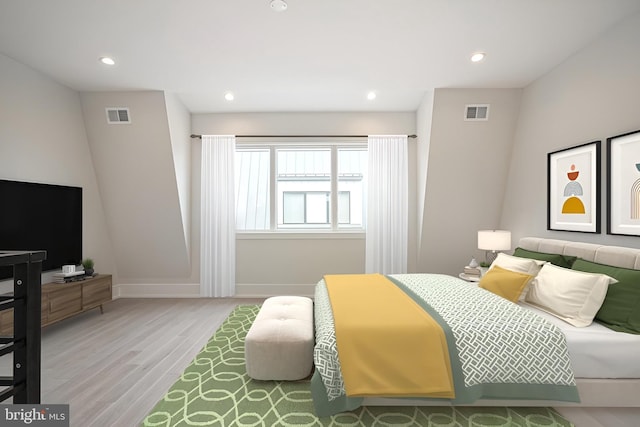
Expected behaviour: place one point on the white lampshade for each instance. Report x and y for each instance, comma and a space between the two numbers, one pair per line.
494, 240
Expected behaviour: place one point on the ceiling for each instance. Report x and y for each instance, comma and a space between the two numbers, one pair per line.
318, 55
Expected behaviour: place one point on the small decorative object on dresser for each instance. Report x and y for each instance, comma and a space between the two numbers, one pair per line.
472, 272
87, 263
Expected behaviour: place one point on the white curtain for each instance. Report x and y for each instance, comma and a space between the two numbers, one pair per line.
387, 205
218, 219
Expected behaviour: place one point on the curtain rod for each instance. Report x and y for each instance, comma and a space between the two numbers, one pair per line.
300, 136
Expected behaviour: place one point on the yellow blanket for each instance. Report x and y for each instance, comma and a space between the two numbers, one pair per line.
387, 344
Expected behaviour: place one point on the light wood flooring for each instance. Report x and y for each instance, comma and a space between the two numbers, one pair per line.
113, 368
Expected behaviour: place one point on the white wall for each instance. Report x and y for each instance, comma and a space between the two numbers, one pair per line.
298, 262
467, 168
424, 117
179, 120
43, 139
136, 173
591, 96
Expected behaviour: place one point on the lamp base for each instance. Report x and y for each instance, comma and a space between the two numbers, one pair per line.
490, 256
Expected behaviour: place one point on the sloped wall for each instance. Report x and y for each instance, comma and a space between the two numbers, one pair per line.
424, 117
468, 163
137, 178
179, 119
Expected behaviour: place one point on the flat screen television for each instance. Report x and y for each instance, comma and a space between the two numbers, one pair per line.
35, 216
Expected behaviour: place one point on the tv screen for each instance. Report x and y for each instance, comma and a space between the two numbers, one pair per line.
37, 216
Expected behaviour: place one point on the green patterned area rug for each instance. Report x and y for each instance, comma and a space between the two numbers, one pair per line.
215, 390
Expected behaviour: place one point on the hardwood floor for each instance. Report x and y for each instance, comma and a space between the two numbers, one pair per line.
113, 368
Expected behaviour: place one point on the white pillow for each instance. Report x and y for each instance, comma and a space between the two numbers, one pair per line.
514, 263
520, 265
573, 296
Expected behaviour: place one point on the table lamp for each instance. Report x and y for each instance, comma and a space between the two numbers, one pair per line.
492, 241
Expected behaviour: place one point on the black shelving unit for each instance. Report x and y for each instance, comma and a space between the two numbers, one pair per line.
24, 345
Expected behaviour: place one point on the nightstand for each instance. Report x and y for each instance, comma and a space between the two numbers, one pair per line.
469, 278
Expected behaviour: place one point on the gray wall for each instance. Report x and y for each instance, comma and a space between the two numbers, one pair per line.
468, 162
179, 119
43, 139
288, 261
424, 116
138, 180
592, 96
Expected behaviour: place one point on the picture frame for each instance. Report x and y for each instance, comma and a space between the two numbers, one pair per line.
573, 188
623, 184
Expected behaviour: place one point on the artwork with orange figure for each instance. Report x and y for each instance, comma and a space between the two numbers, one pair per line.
573, 175
573, 205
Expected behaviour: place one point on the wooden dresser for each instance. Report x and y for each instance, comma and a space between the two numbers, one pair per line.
63, 300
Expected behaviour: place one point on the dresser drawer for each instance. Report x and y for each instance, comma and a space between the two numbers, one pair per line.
64, 302
96, 292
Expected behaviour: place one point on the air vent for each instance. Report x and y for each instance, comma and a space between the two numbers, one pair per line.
475, 112
118, 116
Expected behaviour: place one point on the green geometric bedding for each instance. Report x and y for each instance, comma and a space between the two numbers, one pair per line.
498, 349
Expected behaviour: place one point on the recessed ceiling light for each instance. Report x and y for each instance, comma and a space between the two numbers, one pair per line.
107, 61
228, 96
371, 96
477, 57
278, 5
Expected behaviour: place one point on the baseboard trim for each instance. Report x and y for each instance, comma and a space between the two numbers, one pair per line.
156, 290
192, 290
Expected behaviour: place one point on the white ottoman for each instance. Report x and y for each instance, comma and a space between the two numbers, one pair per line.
279, 344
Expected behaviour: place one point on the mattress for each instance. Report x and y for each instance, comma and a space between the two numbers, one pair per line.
596, 351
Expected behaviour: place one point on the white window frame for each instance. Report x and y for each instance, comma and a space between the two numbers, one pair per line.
333, 231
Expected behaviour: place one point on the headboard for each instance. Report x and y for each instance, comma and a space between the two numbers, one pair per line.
611, 255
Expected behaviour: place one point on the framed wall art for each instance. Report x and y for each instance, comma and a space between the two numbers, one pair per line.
573, 188
623, 184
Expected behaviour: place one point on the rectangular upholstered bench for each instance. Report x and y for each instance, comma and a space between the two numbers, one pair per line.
279, 344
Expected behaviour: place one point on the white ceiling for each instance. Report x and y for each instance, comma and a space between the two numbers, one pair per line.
319, 55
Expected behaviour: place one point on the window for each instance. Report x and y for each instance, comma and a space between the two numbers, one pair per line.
305, 207
286, 187
352, 169
252, 171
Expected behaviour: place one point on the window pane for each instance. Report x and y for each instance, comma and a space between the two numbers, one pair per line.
298, 162
293, 209
352, 171
344, 205
317, 208
306, 171
252, 189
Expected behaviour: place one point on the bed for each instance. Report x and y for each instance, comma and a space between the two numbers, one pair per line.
603, 366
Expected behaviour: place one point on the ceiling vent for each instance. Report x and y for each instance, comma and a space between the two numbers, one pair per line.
476, 112
118, 116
